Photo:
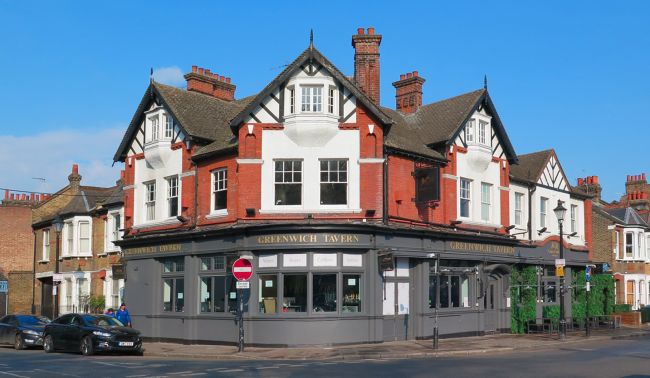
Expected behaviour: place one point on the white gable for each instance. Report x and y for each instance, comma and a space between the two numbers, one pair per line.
552, 176
140, 138
471, 135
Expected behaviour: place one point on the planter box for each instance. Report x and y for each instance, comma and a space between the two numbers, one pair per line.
630, 318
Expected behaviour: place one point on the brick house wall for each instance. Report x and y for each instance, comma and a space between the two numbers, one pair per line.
603, 239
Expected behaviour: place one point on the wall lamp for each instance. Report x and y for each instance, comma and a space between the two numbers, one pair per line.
541, 231
181, 219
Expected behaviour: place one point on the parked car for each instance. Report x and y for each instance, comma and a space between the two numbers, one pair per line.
22, 331
88, 334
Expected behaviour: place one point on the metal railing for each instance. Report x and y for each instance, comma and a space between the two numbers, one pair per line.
551, 325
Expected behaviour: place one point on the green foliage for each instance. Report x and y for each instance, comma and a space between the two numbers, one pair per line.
551, 312
96, 304
523, 294
601, 296
623, 307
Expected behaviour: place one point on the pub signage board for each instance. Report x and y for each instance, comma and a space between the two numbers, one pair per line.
310, 239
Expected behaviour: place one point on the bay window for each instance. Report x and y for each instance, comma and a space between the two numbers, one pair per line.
84, 238
333, 182
69, 237
330, 100
312, 97
154, 132
288, 182
574, 218
469, 131
292, 100
482, 132
629, 245
169, 126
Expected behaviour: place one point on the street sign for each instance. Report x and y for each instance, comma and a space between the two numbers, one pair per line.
242, 269
588, 274
4, 286
588, 287
57, 278
243, 285
560, 262
559, 270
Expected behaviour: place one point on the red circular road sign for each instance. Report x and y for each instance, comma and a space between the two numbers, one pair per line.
242, 269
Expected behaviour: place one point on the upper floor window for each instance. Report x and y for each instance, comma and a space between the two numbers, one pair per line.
150, 200
312, 99
84, 237
169, 126
519, 199
486, 194
220, 189
639, 246
292, 100
465, 197
69, 235
482, 132
647, 247
629, 245
172, 196
154, 129
46, 245
617, 241
469, 131
288, 182
113, 225
334, 182
330, 101
543, 205
574, 218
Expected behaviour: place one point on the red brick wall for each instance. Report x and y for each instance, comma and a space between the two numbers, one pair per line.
16, 239
205, 189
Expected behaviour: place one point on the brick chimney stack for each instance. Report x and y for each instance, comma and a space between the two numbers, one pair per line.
74, 178
366, 62
637, 192
408, 92
202, 80
590, 186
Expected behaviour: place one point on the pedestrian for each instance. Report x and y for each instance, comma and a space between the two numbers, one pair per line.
123, 315
110, 312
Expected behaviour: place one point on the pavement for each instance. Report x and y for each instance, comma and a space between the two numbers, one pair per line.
462, 346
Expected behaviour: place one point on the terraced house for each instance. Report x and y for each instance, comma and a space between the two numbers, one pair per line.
360, 220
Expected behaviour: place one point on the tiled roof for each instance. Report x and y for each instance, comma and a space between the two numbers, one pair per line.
627, 215
530, 166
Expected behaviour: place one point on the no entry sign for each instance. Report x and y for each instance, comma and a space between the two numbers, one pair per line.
242, 269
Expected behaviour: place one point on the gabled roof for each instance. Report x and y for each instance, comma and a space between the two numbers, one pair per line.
627, 216
440, 122
531, 166
200, 116
311, 54
401, 137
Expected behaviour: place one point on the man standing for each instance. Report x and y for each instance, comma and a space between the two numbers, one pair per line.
123, 315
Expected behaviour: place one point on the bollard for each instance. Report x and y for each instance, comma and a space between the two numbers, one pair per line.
435, 336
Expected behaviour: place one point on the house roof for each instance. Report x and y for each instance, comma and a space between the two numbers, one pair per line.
627, 216
200, 116
531, 166
311, 54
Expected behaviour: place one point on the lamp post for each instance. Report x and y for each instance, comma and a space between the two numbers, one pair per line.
560, 212
57, 223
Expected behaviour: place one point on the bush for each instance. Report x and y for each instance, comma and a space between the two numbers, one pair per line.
551, 312
523, 295
96, 304
622, 307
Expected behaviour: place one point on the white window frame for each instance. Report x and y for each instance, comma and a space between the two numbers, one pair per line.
543, 210
69, 238
219, 178
331, 99
574, 218
301, 182
149, 201
519, 200
169, 126
647, 248
173, 184
292, 100
618, 244
486, 202
89, 252
154, 127
631, 245
482, 132
639, 247
468, 197
311, 98
329, 181
46, 246
469, 131
113, 225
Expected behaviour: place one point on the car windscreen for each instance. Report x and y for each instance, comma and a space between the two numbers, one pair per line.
102, 321
28, 320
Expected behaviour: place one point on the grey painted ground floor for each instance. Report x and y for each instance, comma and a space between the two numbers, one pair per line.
329, 284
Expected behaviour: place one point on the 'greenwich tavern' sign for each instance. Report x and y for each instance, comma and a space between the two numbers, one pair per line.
482, 248
312, 239
164, 248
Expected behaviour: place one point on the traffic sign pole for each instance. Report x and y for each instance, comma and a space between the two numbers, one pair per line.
242, 270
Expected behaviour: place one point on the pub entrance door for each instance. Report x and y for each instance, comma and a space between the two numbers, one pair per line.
396, 301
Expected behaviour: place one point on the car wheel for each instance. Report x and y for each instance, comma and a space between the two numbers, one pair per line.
48, 344
19, 344
87, 348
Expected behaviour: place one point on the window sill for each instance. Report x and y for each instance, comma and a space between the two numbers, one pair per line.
309, 211
85, 256
472, 222
43, 261
217, 214
165, 222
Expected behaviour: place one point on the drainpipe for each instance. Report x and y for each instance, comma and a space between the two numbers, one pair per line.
531, 190
34, 277
384, 211
196, 194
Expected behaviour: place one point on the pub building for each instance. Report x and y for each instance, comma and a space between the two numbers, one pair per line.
360, 220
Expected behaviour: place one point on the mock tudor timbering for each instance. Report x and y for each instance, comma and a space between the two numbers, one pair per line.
345, 207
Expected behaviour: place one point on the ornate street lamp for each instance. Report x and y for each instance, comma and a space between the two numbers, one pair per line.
57, 223
560, 212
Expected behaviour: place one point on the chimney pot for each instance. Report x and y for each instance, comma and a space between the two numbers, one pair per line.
208, 72
595, 180
628, 178
371, 31
360, 31
228, 80
222, 78
201, 70
6, 195
402, 77
409, 75
75, 169
415, 73
580, 181
194, 68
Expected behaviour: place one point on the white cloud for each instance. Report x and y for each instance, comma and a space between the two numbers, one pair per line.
169, 75
50, 156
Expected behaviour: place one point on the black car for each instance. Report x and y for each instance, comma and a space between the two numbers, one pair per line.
88, 334
22, 331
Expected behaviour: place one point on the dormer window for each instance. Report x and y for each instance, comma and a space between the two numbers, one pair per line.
169, 126
312, 99
292, 100
469, 131
154, 132
160, 126
330, 100
478, 134
482, 127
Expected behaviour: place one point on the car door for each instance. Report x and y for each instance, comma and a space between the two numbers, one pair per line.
74, 333
4, 329
57, 329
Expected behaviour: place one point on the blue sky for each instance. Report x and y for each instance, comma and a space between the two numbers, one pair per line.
573, 76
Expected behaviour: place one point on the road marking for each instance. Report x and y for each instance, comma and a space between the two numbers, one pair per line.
13, 375
216, 369
138, 375
230, 370
267, 367
190, 375
181, 372
58, 373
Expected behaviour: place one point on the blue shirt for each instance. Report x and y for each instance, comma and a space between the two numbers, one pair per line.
123, 316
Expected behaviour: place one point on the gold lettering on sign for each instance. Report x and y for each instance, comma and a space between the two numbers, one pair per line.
308, 239
485, 248
554, 249
154, 249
